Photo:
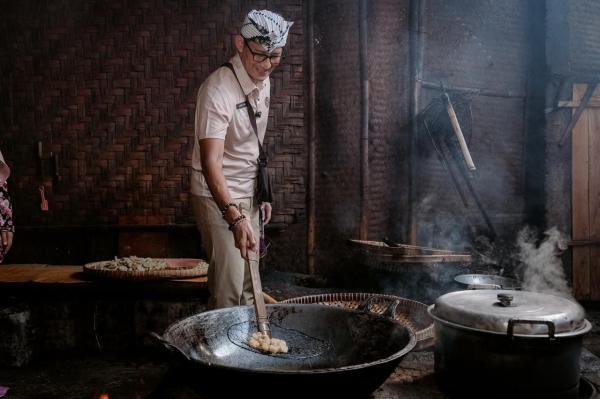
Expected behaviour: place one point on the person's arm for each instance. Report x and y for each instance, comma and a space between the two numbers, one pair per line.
211, 153
266, 210
7, 227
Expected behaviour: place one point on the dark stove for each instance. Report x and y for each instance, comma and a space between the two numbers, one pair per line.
413, 379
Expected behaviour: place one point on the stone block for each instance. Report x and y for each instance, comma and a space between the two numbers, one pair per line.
16, 336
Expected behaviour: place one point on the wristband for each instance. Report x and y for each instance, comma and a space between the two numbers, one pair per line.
226, 207
237, 221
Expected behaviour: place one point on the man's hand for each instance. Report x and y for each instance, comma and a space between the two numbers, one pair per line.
244, 238
266, 211
7, 240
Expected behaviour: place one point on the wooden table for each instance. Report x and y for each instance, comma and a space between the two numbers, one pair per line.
66, 309
67, 280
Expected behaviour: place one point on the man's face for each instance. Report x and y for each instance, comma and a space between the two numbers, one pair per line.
258, 63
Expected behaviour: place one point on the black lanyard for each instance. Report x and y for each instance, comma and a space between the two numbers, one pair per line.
262, 157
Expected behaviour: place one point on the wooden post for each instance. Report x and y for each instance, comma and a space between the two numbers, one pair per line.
364, 121
581, 207
310, 49
417, 43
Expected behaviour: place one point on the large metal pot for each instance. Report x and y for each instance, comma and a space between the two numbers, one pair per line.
349, 351
491, 343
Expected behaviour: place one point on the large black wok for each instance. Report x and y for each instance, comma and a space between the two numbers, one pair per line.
348, 351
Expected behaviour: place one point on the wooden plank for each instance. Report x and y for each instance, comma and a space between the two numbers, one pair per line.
418, 250
573, 243
594, 199
54, 274
594, 103
53, 282
580, 196
579, 91
424, 258
397, 248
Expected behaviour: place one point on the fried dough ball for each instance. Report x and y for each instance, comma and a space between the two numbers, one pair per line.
263, 343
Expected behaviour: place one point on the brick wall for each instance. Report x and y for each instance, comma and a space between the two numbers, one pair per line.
573, 43
338, 116
109, 88
480, 45
476, 44
584, 36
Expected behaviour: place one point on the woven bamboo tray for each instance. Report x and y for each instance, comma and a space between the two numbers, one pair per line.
404, 253
177, 269
411, 314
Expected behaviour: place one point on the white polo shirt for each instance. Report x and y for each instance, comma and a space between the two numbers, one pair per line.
221, 113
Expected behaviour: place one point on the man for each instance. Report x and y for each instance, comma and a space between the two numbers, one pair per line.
226, 150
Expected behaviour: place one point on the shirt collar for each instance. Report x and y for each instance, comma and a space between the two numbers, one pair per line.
248, 85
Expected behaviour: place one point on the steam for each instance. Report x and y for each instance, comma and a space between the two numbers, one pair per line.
543, 270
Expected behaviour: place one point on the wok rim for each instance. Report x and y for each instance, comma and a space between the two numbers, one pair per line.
412, 342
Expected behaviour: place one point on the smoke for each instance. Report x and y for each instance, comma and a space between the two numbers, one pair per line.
543, 269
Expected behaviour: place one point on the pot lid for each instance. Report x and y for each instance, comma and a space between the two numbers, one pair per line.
491, 280
491, 311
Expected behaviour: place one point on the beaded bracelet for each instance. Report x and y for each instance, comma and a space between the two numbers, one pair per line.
237, 221
226, 207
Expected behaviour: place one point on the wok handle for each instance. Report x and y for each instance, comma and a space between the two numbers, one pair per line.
262, 319
389, 312
548, 323
173, 349
365, 306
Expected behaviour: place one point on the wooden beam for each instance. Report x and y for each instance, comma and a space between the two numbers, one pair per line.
397, 248
593, 103
424, 258
589, 91
580, 197
594, 201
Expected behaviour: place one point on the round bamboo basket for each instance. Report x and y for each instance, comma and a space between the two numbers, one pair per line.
411, 314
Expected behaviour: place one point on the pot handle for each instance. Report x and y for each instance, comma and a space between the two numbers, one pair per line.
548, 323
171, 348
484, 287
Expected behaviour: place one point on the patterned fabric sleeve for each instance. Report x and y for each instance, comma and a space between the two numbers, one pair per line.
6, 220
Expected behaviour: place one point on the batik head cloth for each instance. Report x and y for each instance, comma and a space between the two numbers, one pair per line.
266, 28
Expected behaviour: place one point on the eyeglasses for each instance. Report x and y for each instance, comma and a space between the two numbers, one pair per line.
259, 57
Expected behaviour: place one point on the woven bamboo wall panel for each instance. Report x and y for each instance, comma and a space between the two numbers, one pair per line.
109, 90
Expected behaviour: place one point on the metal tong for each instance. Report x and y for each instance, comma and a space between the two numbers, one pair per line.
262, 320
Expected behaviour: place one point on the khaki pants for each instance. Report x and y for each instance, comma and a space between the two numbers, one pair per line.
229, 281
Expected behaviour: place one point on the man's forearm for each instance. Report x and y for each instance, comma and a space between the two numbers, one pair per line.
238, 223
217, 184
219, 190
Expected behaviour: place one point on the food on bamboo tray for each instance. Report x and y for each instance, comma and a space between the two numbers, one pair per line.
133, 267
263, 343
133, 263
